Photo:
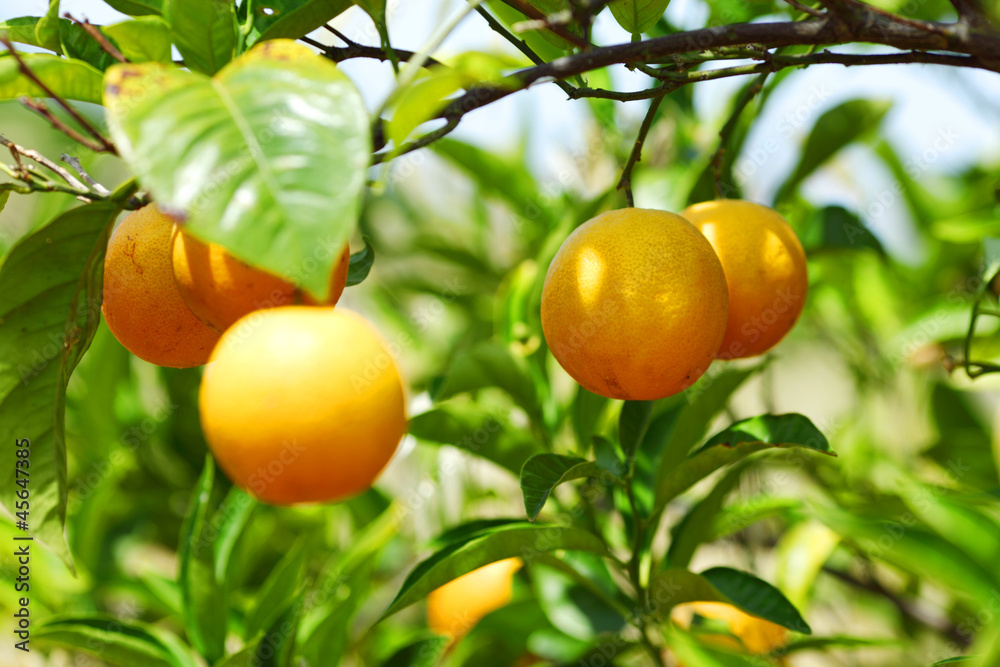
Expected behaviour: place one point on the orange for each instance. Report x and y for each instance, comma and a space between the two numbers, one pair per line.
454, 608
634, 304
141, 305
765, 268
302, 404
220, 289
756, 635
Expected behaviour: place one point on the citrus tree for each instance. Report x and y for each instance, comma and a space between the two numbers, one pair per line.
608, 423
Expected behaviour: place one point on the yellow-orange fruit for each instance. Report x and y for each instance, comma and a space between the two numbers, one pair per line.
634, 304
756, 635
141, 303
454, 608
220, 289
302, 404
765, 268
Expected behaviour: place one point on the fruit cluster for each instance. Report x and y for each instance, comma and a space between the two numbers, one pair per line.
637, 303
300, 402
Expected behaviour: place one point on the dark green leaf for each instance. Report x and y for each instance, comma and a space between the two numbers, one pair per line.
516, 540
291, 19
277, 593
740, 440
267, 159
834, 227
205, 611
79, 44
361, 264
50, 290
836, 128
204, 32
632, 425
476, 430
756, 596
145, 39
230, 519
69, 79
637, 16
543, 472
114, 641
424, 652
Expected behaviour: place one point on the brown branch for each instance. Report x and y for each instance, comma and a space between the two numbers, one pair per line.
99, 37
16, 151
625, 182
718, 159
805, 8
43, 110
103, 144
354, 50
555, 29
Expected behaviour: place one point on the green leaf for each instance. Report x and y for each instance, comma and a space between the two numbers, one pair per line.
834, 227
675, 586
638, 16
477, 430
835, 129
544, 472
801, 553
50, 291
4, 196
587, 410
137, 7
67, 78
47, 29
230, 519
124, 643
277, 592
205, 611
145, 39
424, 652
489, 365
361, 264
22, 30
204, 32
291, 19
573, 608
952, 661
740, 440
267, 159
516, 540
838, 641
633, 423
697, 526
756, 596
77, 43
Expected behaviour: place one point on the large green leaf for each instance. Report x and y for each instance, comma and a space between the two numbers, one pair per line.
291, 19
47, 28
836, 128
736, 443
268, 158
77, 43
522, 540
638, 16
124, 643
477, 430
675, 586
544, 472
69, 79
205, 611
145, 39
50, 291
489, 365
204, 32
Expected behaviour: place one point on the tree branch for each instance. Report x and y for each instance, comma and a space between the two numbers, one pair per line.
99, 37
625, 182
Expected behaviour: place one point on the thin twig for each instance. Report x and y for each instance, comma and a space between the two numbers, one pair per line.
805, 8
625, 182
43, 110
63, 173
557, 30
727, 130
104, 144
417, 144
99, 37
87, 178
354, 50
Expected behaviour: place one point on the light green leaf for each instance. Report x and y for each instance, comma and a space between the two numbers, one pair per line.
522, 540
277, 592
145, 39
50, 291
544, 472
291, 19
801, 553
231, 518
67, 78
22, 30
124, 643
267, 159
632, 425
638, 16
137, 7
424, 652
489, 365
204, 32
47, 29
697, 525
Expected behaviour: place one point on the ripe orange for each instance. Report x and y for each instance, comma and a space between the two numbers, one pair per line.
765, 268
454, 608
141, 305
220, 289
634, 304
302, 404
756, 635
